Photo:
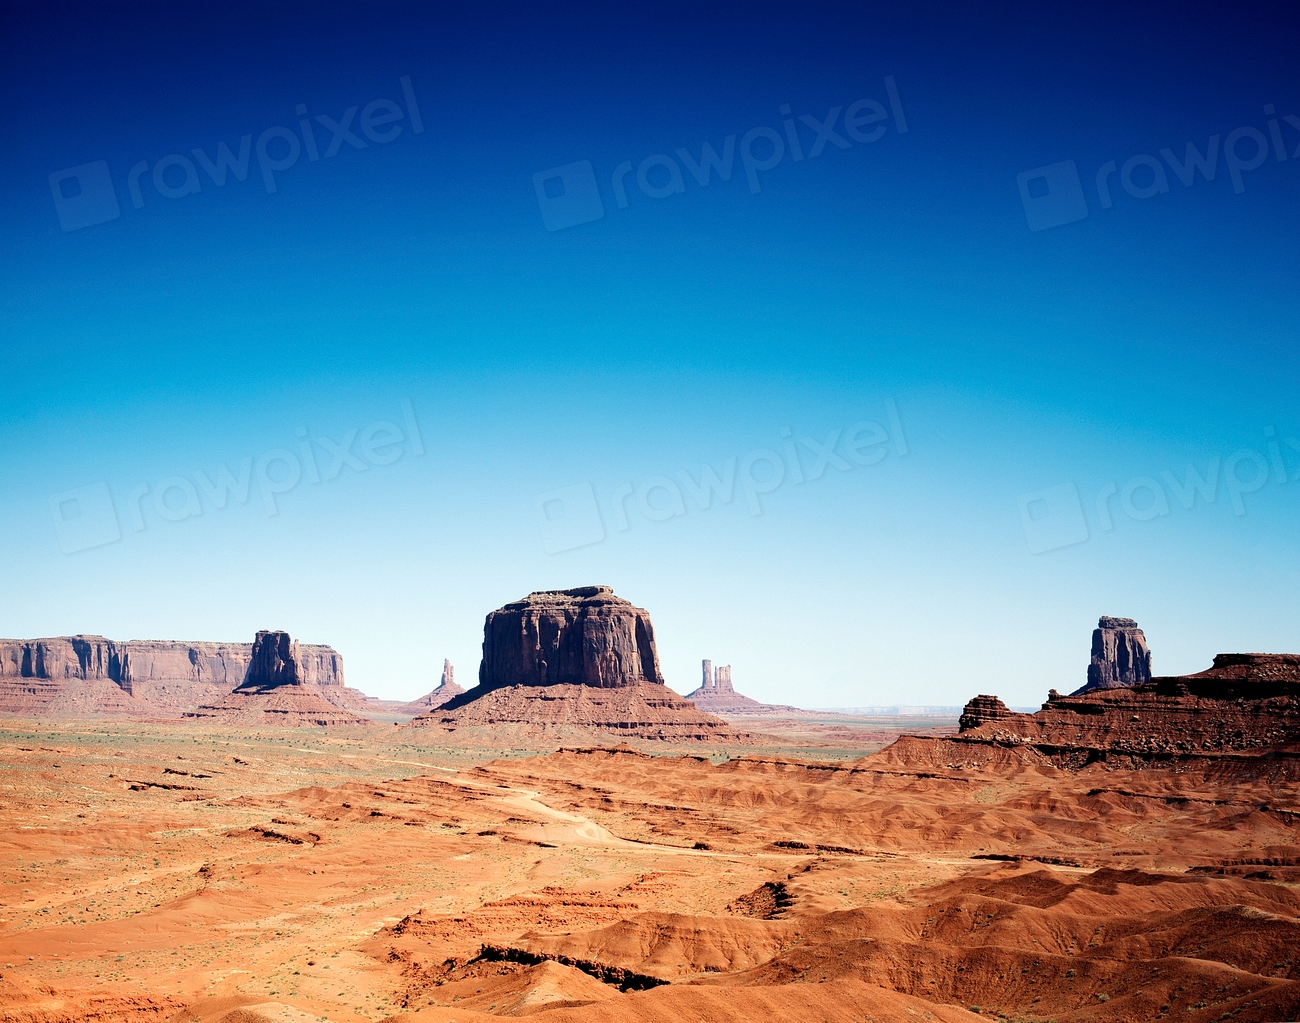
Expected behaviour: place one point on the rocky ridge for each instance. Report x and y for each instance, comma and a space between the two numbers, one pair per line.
1244, 702
81, 675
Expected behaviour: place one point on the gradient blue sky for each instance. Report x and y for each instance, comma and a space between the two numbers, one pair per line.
200, 331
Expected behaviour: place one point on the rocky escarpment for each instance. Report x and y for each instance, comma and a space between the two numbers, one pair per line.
717, 695
75, 675
585, 636
275, 692
560, 663
1244, 702
1120, 656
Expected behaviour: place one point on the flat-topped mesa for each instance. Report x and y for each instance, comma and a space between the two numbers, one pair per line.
1120, 656
574, 665
73, 676
585, 636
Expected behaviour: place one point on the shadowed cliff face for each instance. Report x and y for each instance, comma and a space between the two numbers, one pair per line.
274, 662
585, 636
94, 657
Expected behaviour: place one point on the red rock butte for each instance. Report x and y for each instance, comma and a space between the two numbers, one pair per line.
580, 660
275, 692
585, 636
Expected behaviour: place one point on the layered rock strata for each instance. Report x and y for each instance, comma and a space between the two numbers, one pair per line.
643, 710
1120, 656
564, 662
1243, 702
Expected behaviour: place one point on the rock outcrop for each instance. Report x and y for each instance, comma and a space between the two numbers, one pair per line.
1120, 656
983, 709
1244, 702
717, 695
585, 636
568, 663
275, 692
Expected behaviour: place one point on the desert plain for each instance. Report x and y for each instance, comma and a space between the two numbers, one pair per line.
828, 870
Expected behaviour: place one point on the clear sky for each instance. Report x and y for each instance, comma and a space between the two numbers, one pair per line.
462, 314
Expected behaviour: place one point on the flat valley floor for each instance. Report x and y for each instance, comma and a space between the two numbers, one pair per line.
150, 872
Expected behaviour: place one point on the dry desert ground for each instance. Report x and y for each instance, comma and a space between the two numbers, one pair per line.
166, 872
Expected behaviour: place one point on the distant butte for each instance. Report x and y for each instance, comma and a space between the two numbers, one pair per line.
275, 692
717, 696
581, 659
446, 690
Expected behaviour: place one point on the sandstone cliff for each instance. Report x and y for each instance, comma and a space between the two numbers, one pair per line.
585, 636
1243, 702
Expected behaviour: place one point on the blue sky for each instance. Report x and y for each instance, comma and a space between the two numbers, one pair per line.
1045, 380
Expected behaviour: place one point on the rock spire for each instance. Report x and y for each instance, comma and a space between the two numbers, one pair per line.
1120, 656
